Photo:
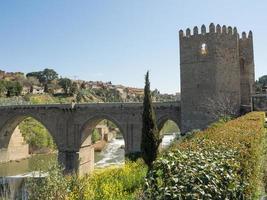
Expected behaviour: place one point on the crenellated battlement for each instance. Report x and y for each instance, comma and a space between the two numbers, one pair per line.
217, 64
219, 30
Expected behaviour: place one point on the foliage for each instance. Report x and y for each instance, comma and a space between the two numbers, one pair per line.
13, 101
35, 134
74, 89
263, 80
45, 76
95, 136
79, 97
169, 127
65, 83
54, 186
259, 84
120, 183
221, 162
40, 99
106, 95
13, 88
206, 175
150, 135
133, 156
83, 85
221, 107
2, 87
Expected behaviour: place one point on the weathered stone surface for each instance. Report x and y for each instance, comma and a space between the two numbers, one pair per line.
71, 126
213, 65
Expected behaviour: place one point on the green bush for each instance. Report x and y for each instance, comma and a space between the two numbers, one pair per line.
115, 183
112, 183
222, 162
169, 127
54, 186
96, 136
36, 134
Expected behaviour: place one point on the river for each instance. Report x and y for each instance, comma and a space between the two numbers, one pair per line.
12, 174
112, 154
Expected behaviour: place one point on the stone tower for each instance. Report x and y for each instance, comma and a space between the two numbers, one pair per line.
217, 67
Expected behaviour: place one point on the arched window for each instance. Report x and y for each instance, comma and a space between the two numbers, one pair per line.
203, 49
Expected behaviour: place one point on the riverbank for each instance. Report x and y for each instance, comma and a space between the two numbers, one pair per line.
99, 145
33, 163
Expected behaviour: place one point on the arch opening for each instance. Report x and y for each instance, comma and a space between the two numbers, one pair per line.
102, 144
169, 130
27, 141
203, 49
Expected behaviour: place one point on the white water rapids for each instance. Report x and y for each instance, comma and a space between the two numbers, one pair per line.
113, 153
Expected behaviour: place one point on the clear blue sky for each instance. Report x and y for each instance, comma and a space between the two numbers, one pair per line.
117, 40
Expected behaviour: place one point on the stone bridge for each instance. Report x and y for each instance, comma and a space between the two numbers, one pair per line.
71, 126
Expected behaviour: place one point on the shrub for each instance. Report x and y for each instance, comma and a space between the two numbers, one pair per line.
95, 136
120, 183
54, 186
35, 134
221, 162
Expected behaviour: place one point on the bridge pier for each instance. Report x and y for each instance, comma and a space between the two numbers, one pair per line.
69, 160
80, 162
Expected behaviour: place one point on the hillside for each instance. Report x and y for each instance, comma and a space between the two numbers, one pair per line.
47, 87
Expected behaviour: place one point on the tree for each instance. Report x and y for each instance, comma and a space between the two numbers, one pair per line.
2, 87
222, 107
150, 135
13, 88
263, 80
259, 84
35, 74
65, 83
45, 76
74, 89
49, 75
83, 85
79, 97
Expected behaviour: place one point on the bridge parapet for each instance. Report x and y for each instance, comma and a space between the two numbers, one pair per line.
88, 105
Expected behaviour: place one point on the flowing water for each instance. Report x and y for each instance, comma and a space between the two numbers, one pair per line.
12, 174
114, 152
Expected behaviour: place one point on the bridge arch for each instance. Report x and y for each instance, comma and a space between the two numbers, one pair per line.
162, 120
12, 122
86, 149
91, 123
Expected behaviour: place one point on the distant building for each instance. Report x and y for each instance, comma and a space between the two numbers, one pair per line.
37, 90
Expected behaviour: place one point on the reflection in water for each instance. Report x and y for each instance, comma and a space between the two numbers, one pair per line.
36, 162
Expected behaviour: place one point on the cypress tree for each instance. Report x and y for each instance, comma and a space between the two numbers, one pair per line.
150, 134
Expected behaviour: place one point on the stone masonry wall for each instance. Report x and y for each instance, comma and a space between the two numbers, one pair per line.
17, 148
210, 73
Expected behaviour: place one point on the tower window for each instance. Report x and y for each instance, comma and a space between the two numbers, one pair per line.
203, 49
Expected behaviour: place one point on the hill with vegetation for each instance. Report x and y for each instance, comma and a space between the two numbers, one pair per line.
48, 87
